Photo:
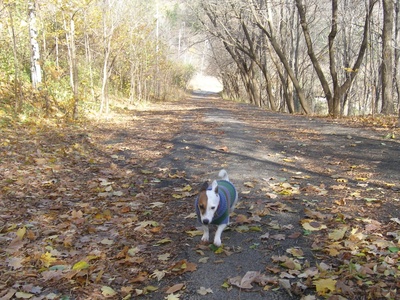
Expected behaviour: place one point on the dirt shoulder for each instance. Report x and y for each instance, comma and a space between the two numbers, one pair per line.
107, 210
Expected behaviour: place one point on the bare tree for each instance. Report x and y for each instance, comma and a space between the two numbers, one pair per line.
339, 89
387, 58
36, 71
264, 23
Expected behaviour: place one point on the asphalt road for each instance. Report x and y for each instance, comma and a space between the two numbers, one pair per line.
250, 144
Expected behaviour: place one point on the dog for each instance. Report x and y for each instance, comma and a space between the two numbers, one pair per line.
214, 204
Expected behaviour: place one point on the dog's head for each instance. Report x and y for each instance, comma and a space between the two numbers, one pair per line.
208, 202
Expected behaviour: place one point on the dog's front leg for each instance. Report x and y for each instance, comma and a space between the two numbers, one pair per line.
206, 234
217, 238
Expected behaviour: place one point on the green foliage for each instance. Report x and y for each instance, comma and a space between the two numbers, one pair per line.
182, 75
140, 66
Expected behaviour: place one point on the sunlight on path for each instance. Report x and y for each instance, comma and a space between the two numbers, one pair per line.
204, 83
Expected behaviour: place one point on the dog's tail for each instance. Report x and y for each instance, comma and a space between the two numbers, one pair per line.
224, 175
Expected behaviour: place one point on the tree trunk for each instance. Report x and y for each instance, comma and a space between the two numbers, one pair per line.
387, 58
36, 72
282, 56
311, 53
16, 73
73, 66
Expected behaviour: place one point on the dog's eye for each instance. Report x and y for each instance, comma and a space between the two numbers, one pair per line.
212, 207
201, 206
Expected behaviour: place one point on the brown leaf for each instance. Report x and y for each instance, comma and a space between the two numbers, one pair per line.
242, 219
15, 262
246, 281
175, 288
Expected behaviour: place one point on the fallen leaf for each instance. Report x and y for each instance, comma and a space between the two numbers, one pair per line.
278, 237
158, 274
9, 294
146, 172
164, 257
21, 232
242, 219
80, 265
156, 204
23, 295
338, 234
175, 288
324, 286
246, 281
107, 291
106, 242
173, 297
203, 291
271, 195
285, 284
313, 226
295, 252
15, 262
47, 259
194, 233
249, 184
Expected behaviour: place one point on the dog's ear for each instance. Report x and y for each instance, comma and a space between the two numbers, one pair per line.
214, 186
204, 187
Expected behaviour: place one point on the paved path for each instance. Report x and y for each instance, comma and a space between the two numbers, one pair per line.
260, 147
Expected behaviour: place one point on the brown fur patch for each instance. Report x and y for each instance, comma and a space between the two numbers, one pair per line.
202, 202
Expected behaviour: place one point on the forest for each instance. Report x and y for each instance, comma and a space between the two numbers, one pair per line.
106, 140
66, 57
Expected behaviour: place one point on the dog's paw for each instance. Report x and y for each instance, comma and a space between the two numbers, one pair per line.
205, 238
217, 242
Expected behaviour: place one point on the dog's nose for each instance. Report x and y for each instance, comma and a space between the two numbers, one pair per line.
206, 221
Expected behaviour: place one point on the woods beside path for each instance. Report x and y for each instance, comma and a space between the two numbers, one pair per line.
106, 209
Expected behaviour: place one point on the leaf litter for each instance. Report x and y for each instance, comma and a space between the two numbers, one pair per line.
92, 219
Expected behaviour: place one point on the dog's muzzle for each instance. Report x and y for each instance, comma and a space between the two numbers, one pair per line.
206, 221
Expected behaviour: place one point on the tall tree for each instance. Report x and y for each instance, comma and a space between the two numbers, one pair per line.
387, 58
264, 23
339, 89
36, 71
69, 27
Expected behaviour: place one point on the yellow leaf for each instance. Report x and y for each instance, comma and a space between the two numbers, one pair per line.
249, 184
187, 188
295, 252
23, 295
107, 291
164, 257
324, 286
146, 172
361, 179
47, 259
107, 242
219, 250
12, 227
164, 241
21, 232
338, 234
341, 180
151, 288
176, 196
313, 226
80, 265
288, 160
193, 233
173, 297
